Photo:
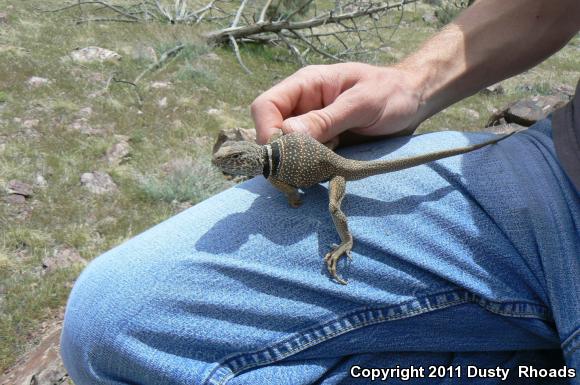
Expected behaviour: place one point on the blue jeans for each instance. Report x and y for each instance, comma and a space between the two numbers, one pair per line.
471, 262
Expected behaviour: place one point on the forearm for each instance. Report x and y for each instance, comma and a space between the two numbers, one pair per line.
488, 42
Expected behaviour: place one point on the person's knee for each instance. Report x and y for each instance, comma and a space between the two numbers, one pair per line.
96, 312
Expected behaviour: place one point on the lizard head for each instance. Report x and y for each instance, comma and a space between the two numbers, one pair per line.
240, 158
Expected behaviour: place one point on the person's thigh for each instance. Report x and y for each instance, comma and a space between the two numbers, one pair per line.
449, 256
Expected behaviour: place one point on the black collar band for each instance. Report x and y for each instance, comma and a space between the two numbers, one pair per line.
266, 161
271, 157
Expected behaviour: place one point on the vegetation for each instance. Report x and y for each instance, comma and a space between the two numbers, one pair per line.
59, 130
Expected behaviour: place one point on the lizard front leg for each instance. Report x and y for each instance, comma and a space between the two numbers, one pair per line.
290, 191
337, 189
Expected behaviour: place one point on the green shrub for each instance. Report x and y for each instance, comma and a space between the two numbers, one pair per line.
184, 180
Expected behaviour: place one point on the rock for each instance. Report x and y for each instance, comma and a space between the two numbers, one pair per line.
430, 18
35, 82
30, 123
82, 125
85, 112
20, 188
234, 135
162, 103
14, 199
40, 181
98, 182
94, 54
117, 153
3, 18
214, 111
495, 89
160, 85
527, 112
564, 89
42, 365
62, 258
472, 114
211, 56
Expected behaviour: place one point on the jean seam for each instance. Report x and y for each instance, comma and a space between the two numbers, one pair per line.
230, 366
572, 343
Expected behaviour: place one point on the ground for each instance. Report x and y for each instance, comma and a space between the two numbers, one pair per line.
106, 160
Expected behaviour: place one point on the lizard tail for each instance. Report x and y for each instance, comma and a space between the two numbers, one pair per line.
363, 169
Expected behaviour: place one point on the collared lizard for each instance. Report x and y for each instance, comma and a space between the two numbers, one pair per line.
296, 161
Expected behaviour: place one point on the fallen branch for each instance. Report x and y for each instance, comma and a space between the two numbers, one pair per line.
161, 62
238, 55
147, 9
238, 32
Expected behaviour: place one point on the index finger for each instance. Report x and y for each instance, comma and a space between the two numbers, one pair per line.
271, 108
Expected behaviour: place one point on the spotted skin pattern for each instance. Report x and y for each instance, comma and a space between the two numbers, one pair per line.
303, 162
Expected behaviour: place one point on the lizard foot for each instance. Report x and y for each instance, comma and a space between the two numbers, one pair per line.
295, 203
332, 258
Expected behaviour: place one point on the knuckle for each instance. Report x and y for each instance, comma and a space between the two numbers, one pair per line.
325, 120
256, 105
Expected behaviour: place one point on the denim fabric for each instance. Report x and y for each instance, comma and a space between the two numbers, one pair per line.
471, 260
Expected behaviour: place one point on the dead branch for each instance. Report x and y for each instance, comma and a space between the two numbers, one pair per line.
246, 31
140, 11
161, 62
238, 55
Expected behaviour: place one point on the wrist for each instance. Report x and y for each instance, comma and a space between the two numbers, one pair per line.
437, 73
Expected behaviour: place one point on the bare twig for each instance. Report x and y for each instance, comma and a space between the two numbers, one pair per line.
238, 56
114, 8
162, 60
264, 10
293, 50
104, 19
313, 47
298, 10
139, 97
238, 14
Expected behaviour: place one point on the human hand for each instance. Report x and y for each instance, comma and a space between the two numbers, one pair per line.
325, 100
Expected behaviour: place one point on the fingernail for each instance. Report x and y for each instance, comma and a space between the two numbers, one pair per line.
296, 125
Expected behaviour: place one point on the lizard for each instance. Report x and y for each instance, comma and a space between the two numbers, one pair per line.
297, 161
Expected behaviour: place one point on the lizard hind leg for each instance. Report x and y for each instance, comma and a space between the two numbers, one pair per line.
337, 189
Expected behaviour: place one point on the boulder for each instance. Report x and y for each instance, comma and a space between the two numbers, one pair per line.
94, 54
62, 258
36, 81
98, 182
14, 199
160, 85
528, 111
430, 18
117, 153
234, 135
494, 89
42, 365
19, 188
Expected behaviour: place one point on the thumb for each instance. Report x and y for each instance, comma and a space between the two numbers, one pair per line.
326, 123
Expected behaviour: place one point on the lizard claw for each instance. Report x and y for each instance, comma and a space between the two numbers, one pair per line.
333, 256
